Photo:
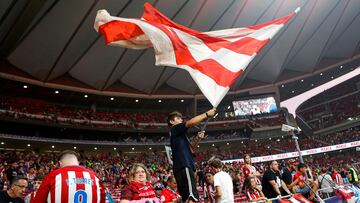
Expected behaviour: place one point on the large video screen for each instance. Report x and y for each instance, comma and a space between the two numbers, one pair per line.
255, 106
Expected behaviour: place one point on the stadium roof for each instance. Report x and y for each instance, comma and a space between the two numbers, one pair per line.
53, 43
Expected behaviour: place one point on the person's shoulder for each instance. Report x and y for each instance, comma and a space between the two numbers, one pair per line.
2, 194
178, 127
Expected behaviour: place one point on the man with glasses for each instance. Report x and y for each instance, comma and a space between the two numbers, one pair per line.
16, 191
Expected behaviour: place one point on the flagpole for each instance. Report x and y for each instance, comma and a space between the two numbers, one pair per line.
207, 122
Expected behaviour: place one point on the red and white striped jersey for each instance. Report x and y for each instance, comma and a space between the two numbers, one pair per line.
337, 178
30, 197
71, 184
252, 195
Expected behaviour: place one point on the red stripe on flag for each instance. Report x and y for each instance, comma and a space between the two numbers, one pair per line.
209, 67
251, 45
119, 30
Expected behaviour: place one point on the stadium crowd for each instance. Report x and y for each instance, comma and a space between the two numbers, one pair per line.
318, 116
113, 169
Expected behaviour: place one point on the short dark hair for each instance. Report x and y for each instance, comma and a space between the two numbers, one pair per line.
172, 116
216, 163
17, 178
301, 165
271, 162
67, 152
39, 177
170, 179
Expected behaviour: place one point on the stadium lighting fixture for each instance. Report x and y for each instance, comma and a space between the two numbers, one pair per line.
86, 96
159, 101
182, 100
25, 86
136, 100
112, 98
53, 146
56, 92
28, 145
2, 143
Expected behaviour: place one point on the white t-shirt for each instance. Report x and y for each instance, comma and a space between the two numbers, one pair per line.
223, 180
326, 181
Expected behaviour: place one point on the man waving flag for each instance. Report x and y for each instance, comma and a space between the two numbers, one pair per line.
214, 59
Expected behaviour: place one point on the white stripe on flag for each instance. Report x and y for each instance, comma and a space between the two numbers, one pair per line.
49, 197
226, 58
212, 91
88, 187
264, 33
139, 42
97, 189
229, 33
72, 185
58, 187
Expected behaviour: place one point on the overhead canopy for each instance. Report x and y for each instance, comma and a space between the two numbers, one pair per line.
54, 42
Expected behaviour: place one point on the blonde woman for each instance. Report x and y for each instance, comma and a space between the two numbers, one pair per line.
139, 190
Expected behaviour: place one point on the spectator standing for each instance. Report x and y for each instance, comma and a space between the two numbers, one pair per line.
224, 192
182, 153
70, 183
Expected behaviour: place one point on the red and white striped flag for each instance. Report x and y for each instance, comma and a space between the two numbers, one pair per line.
214, 59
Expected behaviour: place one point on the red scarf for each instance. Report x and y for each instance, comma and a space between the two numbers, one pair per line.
137, 191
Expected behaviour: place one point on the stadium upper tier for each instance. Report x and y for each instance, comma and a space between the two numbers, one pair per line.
318, 116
